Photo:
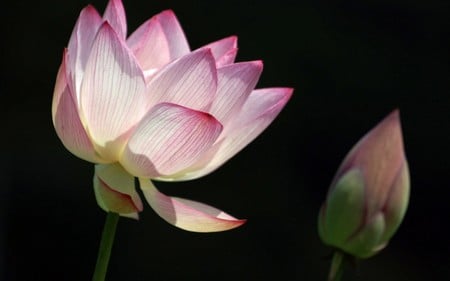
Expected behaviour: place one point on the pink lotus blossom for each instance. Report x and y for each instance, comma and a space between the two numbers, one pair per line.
369, 195
147, 106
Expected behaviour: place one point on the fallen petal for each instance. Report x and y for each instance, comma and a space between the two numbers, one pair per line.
186, 214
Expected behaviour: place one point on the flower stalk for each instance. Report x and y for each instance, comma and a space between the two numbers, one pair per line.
337, 266
104, 252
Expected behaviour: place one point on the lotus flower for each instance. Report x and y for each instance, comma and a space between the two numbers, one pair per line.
369, 195
147, 106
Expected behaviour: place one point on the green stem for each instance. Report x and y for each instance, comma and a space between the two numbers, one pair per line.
104, 252
337, 266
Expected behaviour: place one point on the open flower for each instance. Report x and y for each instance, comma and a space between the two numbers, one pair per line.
147, 106
369, 194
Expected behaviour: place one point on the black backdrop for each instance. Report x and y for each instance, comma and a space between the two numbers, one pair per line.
350, 62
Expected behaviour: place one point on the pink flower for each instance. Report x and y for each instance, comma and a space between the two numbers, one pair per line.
369, 195
147, 106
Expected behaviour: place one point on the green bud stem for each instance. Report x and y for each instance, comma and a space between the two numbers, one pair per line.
104, 252
337, 267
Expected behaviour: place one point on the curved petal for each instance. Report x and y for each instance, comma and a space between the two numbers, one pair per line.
80, 44
258, 112
344, 211
67, 122
190, 81
397, 202
227, 58
112, 96
380, 154
266, 102
178, 44
115, 191
235, 83
186, 214
150, 46
115, 15
224, 50
169, 139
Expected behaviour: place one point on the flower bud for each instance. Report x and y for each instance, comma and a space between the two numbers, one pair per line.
368, 197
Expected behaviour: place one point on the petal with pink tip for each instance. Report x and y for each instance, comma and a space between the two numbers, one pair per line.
115, 191
169, 139
258, 112
380, 154
150, 46
115, 15
80, 44
67, 122
227, 58
186, 214
178, 44
224, 50
190, 81
112, 96
235, 83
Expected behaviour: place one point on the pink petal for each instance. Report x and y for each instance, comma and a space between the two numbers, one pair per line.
190, 81
178, 44
112, 96
258, 112
169, 139
186, 214
227, 58
380, 154
80, 44
115, 191
150, 46
224, 50
115, 15
235, 83
261, 103
67, 122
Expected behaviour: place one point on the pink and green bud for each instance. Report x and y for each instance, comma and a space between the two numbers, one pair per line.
369, 195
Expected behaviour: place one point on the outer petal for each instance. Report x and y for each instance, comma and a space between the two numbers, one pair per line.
190, 81
235, 83
258, 112
112, 97
227, 58
380, 154
169, 139
368, 241
344, 209
150, 45
224, 50
115, 191
80, 44
67, 122
115, 15
397, 202
186, 214
178, 44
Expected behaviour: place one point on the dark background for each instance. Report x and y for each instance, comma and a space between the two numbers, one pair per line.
350, 62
